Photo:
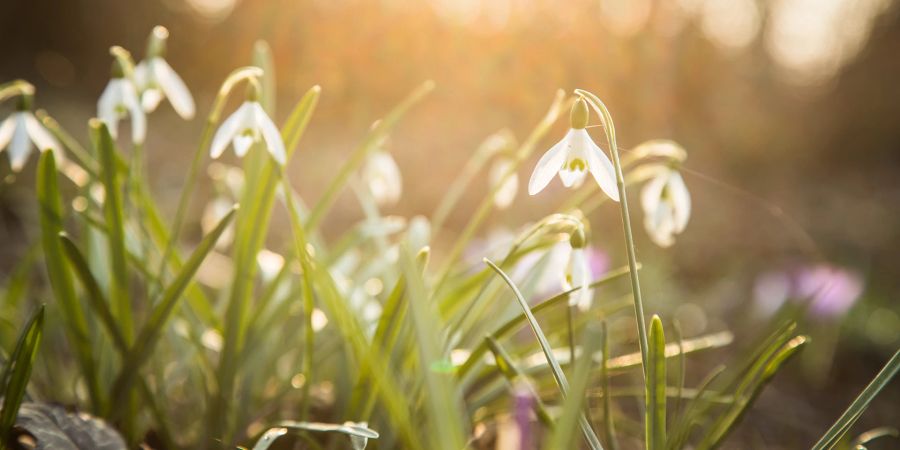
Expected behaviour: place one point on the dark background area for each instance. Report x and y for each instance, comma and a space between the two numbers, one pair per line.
799, 153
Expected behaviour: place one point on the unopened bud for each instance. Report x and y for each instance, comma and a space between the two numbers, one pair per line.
579, 114
156, 43
577, 238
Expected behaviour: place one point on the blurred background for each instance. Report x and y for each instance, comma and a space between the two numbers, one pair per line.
789, 111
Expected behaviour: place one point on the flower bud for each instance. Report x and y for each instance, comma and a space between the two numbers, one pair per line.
156, 43
579, 114
116, 70
577, 238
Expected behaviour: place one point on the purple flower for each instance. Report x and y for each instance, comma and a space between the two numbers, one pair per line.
829, 290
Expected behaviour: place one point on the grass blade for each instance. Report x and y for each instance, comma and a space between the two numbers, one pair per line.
369, 357
514, 375
843, 424
442, 396
94, 294
556, 370
655, 402
112, 209
50, 202
727, 421
151, 331
17, 372
512, 324
608, 422
573, 408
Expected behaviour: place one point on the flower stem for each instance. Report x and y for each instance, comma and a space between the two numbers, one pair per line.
610, 130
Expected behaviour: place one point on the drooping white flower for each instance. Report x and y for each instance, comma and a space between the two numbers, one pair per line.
667, 206
119, 99
573, 157
19, 131
382, 176
248, 124
578, 273
157, 80
504, 189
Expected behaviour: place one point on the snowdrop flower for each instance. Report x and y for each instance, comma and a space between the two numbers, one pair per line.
504, 190
382, 176
119, 99
667, 206
578, 273
20, 130
574, 156
157, 80
247, 125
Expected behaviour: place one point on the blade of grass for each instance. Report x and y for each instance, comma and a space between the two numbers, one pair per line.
515, 377
512, 324
17, 371
384, 382
573, 408
100, 307
682, 429
608, 422
112, 209
443, 396
655, 398
556, 370
855, 410
153, 328
860, 441
727, 421
51, 215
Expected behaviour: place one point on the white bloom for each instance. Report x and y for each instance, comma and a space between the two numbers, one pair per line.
18, 132
505, 189
382, 176
667, 206
578, 275
118, 100
248, 124
574, 156
157, 80
418, 233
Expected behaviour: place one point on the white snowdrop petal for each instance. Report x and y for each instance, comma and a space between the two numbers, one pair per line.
227, 131
42, 138
242, 144
20, 146
6, 132
141, 76
681, 201
571, 178
548, 166
601, 167
106, 104
150, 99
270, 134
174, 88
651, 194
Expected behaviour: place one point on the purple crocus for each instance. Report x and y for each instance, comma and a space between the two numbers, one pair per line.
830, 290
